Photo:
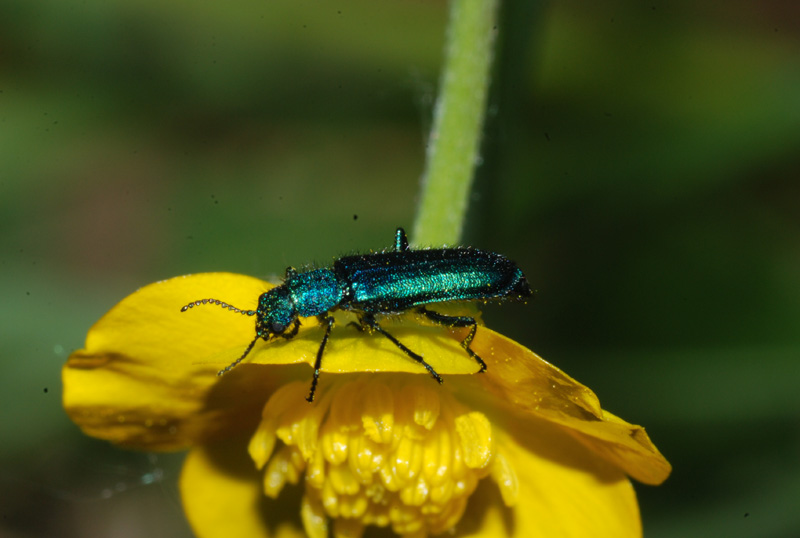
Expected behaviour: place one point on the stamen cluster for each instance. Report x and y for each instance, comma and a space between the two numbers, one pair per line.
404, 454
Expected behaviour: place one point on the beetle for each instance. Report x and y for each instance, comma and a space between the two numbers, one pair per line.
379, 283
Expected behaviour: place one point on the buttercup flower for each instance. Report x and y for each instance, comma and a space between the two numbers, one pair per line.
520, 450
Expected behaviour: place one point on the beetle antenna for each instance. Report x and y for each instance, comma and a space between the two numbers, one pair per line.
219, 303
240, 359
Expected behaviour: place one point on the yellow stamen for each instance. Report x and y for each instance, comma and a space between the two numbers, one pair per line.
503, 473
402, 453
314, 519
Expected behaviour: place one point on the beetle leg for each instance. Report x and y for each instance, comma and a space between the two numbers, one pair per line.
457, 321
293, 332
357, 326
328, 321
368, 320
400, 240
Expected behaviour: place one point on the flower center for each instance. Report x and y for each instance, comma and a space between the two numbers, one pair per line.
399, 452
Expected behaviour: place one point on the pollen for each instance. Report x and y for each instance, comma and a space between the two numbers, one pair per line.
373, 450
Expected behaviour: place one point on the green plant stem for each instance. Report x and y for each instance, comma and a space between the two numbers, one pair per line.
457, 124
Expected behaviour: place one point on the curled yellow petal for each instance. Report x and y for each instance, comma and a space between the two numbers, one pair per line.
527, 385
561, 489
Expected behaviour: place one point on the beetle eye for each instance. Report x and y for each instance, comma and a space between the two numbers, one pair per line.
277, 327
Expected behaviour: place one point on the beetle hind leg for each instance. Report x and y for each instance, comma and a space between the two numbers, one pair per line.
457, 321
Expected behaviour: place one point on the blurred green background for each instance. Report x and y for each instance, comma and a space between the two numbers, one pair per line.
640, 163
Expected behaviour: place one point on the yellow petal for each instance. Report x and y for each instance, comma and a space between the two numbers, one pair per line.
626, 445
223, 497
563, 490
528, 385
147, 375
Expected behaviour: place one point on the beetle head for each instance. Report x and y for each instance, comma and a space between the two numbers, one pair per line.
275, 314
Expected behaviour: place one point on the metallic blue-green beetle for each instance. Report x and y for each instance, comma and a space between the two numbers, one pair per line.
387, 282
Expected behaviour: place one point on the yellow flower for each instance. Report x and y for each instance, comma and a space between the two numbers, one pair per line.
521, 450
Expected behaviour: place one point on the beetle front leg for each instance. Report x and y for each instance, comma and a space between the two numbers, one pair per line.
293, 332
328, 321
